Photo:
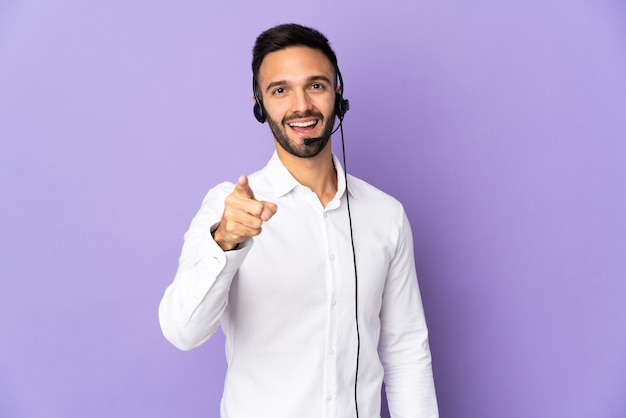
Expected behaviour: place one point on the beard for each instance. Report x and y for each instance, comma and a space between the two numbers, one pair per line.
301, 150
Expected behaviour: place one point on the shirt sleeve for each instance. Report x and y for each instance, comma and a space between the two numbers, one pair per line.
403, 347
193, 303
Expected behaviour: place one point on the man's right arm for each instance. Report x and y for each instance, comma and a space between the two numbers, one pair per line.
192, 305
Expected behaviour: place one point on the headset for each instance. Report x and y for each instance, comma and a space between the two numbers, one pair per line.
341, 107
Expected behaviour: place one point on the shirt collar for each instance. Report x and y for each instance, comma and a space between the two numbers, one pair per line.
283, 182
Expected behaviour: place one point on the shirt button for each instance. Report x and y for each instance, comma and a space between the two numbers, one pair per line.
333, 303
329, 398
332, 257
331, 351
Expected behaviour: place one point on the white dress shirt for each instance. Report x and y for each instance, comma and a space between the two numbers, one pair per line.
286, 303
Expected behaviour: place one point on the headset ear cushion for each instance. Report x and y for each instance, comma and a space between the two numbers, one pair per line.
341, 106
259, 112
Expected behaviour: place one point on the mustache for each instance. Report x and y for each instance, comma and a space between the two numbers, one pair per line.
307, 114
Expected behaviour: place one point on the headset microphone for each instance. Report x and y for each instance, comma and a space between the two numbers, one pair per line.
341, 107
311, 141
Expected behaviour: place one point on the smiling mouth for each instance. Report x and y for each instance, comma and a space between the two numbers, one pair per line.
303, 127
307, 124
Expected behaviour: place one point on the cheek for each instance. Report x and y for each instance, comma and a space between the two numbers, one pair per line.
277, 113
327, 107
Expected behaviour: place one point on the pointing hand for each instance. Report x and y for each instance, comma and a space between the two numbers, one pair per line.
243, 216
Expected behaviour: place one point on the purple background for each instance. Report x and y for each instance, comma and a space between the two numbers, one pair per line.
500, 125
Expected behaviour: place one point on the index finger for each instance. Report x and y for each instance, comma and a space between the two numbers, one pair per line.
242, 188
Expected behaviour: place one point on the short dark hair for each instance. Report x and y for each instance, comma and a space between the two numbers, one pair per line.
285, 36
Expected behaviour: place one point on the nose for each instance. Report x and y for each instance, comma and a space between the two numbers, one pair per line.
301, 101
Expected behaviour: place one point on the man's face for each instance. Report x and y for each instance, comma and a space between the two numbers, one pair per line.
298, 92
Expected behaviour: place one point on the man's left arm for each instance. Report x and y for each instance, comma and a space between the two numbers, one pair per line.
403, 347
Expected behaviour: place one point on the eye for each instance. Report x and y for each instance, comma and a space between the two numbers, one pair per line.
317, 86
278, 91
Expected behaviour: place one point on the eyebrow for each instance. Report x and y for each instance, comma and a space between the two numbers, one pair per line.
308, 80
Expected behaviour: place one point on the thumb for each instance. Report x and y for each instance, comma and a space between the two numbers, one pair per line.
269, 209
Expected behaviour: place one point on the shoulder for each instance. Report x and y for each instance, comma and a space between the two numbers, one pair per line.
376, 207
378, 217
219, 190
367, 193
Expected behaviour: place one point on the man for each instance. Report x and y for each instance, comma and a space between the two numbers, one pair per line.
272, 260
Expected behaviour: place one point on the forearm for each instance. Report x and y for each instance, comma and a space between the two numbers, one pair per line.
406, 358
410, 386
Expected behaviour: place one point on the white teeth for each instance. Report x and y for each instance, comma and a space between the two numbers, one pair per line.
303, 124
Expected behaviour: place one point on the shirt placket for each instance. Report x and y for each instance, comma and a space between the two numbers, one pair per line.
333, 321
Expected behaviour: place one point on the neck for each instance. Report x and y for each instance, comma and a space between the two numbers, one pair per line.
317, 173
